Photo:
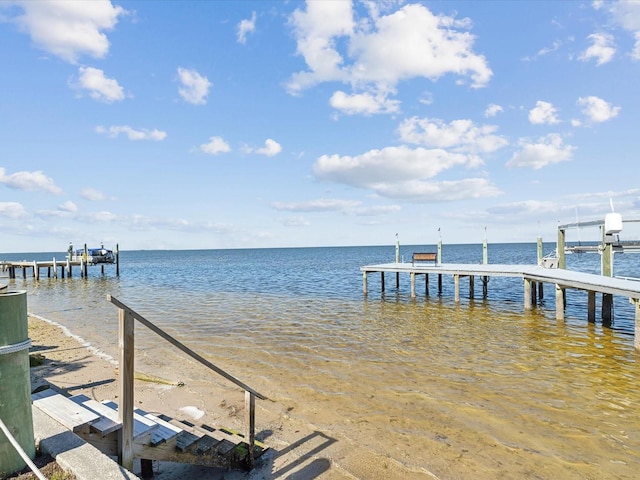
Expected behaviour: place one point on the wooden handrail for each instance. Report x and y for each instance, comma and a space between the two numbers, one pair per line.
184, 348
126, 357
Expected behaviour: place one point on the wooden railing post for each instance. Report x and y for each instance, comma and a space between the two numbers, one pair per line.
250, 424
126, 365
126, 320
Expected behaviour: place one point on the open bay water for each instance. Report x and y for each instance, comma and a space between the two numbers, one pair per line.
475, 390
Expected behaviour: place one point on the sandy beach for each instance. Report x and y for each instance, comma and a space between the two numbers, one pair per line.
295, 450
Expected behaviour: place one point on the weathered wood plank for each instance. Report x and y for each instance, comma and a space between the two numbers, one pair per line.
73, 416
108, 410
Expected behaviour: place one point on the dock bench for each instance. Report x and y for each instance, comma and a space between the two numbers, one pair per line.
424, 257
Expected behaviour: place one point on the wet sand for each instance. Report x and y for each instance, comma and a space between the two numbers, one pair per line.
296, 450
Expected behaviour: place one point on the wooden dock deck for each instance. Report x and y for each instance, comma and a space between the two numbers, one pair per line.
65, 266
533, 276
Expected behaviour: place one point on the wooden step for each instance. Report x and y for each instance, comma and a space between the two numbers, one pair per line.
227, 439
141, 426
59, 407
165, 431
156, 437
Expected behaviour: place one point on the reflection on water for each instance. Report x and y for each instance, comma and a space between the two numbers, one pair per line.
481, 389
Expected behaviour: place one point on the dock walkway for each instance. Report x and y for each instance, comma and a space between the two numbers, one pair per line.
52, 266
533, 276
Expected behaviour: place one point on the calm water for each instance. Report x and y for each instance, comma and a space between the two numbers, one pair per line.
479, 389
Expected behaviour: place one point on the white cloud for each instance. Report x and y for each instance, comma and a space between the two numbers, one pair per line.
100, 217
363, 103
99, 87
460, 135
380, 51
270, 149
349, 207
318, 205
525, 207
195, 87
597, 110
546, 151
92, 194
602, 49
543, 113
131, 133
492, 110
376, 210
245, 27
627, 15
413, 42
29, 181
391, 164
216, 145
436, 192
69, 29
316, 31
68, 207
404, 173
295, 221
12, 210
545, 51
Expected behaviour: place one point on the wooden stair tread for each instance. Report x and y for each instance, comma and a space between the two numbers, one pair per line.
207, 438
141, 425
59, 407
156, 436
165, 431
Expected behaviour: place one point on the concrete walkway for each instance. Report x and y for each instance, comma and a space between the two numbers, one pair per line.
74, 454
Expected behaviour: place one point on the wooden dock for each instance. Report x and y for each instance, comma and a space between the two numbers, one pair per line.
52, 266
534, 277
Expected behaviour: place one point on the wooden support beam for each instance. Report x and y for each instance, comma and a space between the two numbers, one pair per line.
636, 339
591, 306
364, 283
527, 294
456, 286
534, 293
560, 299
439, 283
607, 309
250, 424
382, 282
471, 286
413, 284
126, 372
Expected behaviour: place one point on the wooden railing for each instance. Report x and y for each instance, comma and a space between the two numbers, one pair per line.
126, 347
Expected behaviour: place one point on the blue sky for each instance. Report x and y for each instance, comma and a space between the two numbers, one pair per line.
182, 125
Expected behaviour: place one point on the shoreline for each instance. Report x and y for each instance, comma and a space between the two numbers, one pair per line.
75, 366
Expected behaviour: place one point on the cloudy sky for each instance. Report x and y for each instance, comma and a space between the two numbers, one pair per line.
182, 125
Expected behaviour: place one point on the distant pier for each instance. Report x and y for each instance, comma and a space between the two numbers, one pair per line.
82, 261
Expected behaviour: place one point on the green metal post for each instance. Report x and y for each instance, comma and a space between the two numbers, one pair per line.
15, 379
